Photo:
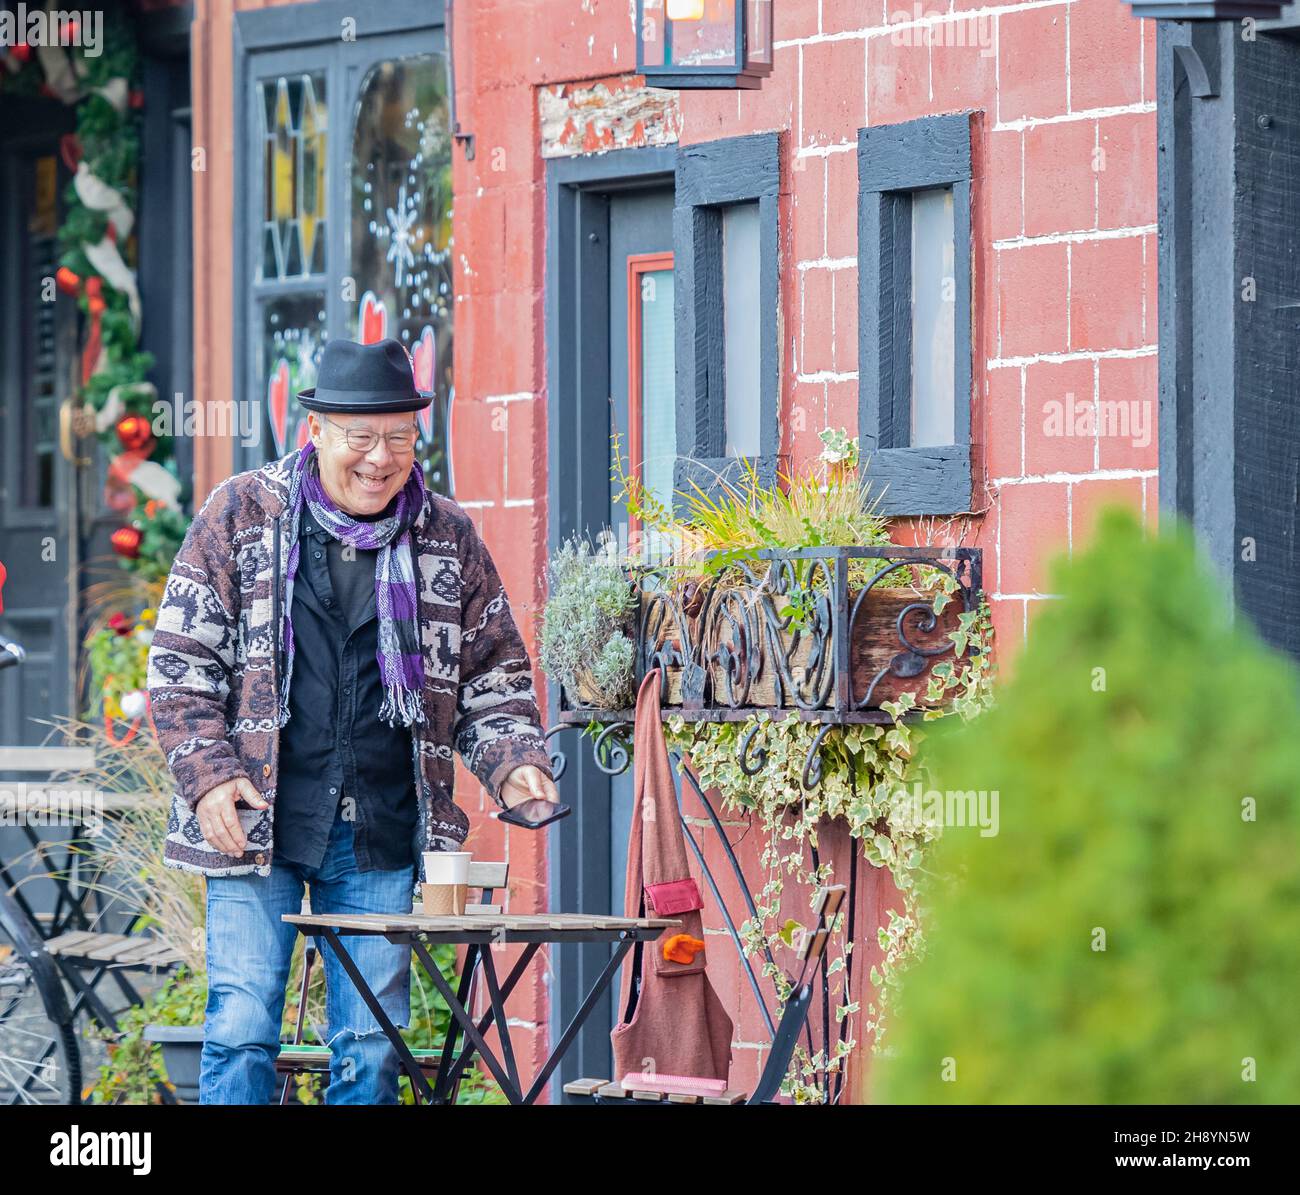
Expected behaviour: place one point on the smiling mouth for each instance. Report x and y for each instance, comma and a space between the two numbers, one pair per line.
371, 481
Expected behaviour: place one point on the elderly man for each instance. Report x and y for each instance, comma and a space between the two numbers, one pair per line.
330, 631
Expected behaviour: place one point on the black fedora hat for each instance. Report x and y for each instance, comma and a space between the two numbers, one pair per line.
364, 378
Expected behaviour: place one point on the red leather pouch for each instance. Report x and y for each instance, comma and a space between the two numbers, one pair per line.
672, 897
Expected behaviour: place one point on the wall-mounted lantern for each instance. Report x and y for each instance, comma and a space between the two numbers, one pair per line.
1207, 10
704, 43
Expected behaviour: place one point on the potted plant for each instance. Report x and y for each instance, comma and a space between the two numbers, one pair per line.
181, 1042
586, 636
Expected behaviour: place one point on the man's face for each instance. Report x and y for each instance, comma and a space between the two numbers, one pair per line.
360, 480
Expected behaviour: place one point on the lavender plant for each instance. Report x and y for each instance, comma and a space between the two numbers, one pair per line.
586, 641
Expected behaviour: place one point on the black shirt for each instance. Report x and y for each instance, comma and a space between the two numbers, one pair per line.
334, 746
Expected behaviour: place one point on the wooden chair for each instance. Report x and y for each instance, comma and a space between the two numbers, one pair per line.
295, 1058
811, 950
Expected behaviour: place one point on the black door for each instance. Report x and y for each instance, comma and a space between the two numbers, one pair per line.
609, 367
643, 411
38, 334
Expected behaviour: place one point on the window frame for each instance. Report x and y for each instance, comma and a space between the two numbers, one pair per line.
894, 161
305, 38
712, 175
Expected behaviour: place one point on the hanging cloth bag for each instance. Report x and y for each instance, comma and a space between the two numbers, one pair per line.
673, 1022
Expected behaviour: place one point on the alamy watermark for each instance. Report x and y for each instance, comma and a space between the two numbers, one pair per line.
193, 419
37, 27
1124, 419
948, 807
52, 805
938, 27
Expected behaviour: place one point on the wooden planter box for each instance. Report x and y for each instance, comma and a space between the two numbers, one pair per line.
874, 645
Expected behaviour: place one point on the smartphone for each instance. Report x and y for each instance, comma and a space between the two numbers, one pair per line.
534, 814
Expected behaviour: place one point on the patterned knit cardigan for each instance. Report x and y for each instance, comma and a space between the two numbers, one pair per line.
217, 653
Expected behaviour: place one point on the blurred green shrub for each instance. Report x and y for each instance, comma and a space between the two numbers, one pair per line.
1131, 934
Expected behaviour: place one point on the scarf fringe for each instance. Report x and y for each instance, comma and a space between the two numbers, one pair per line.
401, 705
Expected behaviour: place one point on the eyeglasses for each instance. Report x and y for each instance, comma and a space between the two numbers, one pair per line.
363, 439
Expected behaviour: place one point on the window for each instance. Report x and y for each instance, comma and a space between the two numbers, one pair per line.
914, 310
742, 327
347, 197
652, 431
725, 232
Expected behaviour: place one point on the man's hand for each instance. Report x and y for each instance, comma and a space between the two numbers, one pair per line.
217, 817
528, 783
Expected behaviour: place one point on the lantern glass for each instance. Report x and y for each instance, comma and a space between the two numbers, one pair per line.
651, 33
758, 33
706, 40
705, 43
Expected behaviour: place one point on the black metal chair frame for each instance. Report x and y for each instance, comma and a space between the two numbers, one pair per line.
70, 914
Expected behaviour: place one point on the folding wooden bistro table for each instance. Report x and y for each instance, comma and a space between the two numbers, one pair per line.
480, 931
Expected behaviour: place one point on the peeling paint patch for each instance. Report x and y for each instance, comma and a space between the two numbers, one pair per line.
618, 112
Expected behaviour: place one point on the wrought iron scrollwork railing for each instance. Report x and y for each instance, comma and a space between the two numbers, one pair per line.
822, 634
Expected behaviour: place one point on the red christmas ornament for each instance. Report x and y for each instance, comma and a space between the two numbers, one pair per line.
70, 150
134, 433
95, 302
126, 542
68, 281
135, 97
22, 51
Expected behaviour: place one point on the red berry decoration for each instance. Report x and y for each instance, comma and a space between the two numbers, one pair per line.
134, 432
126, 542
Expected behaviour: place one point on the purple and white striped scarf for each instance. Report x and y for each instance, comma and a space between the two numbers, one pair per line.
396, 598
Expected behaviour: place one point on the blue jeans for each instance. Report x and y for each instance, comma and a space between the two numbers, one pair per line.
249, 951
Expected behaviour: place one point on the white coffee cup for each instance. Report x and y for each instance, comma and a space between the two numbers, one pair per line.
447, 867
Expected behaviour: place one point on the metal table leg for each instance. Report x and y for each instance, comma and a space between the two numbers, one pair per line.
418, 1082
516, 973
499, 1008
507, 1081
459, 1012
444, 1086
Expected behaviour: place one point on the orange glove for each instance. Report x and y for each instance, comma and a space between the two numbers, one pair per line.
682, 948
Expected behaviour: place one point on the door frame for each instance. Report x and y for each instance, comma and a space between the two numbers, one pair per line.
578, 387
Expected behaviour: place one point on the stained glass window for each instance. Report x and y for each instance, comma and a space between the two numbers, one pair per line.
293, 334
400, 231
295, 124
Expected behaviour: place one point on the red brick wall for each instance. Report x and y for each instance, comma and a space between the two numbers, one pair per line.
1064, 259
